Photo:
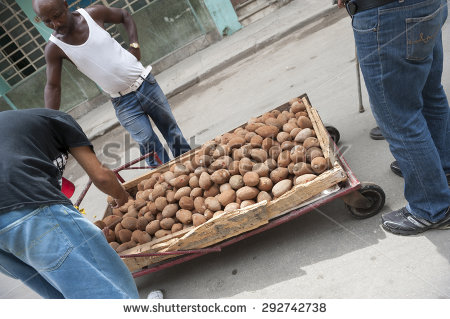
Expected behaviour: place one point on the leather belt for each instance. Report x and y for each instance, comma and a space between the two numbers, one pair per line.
136, 84
355, 6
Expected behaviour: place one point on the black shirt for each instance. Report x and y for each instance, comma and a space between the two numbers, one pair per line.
34, 146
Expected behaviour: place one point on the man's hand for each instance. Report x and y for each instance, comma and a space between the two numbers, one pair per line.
123, 198
102, 177
341, 3
136, 52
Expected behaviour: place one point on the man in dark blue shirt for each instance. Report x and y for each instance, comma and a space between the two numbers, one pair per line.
44, 241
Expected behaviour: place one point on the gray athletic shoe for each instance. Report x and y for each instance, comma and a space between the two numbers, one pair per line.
402, 222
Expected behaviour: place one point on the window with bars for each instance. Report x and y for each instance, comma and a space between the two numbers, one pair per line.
22, 46
131, 5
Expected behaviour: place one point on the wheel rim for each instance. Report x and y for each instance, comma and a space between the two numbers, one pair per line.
376, 197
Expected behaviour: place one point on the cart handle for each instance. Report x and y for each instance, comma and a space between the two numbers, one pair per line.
117, 170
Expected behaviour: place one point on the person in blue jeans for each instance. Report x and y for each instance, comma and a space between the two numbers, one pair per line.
133, 111
80, 38
399, 47
44, 241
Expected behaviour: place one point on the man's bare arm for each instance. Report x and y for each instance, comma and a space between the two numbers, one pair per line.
103, 15
52, 91
102, 177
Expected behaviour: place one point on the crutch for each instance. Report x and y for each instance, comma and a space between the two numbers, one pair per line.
358, 76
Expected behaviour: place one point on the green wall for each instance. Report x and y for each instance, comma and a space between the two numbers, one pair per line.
4, 106
224, 16
164, 26
76, 89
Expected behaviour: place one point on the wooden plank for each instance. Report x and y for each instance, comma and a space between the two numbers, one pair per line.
150, 246
325, 139
215, 230
225, 226
136, 263
301, 193
319, 128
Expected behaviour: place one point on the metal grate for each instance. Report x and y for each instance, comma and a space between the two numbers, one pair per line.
22, 46
131, 5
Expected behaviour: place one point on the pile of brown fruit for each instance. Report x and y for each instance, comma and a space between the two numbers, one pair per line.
259, 161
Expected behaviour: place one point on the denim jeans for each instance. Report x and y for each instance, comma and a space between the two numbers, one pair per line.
399, 47
56, 252
133, 111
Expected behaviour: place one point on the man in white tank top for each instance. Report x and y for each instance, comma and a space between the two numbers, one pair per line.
80, 38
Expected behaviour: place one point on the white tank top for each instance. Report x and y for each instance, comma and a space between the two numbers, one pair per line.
102, 59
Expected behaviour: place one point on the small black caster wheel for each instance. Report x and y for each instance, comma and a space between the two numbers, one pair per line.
334, 133
371, 203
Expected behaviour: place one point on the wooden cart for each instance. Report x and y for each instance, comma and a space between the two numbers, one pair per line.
362, 200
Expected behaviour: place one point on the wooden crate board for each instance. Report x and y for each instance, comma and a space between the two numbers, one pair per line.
231, 224
300, 193
215, 230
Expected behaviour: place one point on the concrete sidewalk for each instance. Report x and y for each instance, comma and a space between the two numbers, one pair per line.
219, 56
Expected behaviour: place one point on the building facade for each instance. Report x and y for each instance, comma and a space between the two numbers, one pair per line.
169, 31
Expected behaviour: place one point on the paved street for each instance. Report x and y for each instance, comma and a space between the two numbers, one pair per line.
325, 253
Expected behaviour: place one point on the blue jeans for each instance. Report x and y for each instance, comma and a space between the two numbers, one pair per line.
58, 253
133, 111
399, 47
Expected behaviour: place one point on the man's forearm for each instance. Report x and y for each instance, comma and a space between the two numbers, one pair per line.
52, 97
106, 181
102, 177
130, 27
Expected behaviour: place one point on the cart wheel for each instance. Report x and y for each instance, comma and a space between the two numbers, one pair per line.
375, 195
334, 133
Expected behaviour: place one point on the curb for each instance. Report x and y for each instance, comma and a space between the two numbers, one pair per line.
95, 134
250, 51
